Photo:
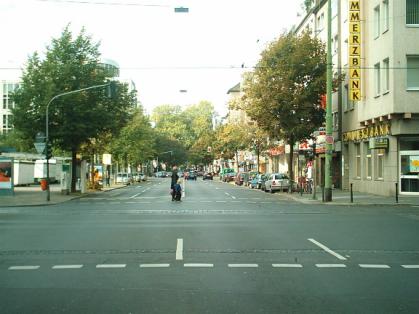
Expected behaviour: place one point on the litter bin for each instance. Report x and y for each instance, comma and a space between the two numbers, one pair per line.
44, 184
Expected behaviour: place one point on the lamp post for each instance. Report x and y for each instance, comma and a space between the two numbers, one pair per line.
329, 138
110, 84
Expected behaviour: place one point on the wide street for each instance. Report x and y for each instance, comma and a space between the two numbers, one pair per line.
223, 249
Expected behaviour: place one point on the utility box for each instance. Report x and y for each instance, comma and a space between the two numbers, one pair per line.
23, 172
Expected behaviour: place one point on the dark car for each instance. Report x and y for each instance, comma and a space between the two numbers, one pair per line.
207, 176
191, 175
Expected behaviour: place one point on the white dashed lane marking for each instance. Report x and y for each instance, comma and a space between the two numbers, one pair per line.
154, 265
27, 267
287, 265
198, 265
243, 265
374, 266
111, 265
411, 266
179, 250
330, 265
67, 266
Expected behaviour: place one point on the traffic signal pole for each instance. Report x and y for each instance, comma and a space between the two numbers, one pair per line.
329, 143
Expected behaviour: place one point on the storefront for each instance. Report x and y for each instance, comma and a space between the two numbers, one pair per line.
409, 165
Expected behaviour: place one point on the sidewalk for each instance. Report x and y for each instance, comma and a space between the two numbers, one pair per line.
340, 197
34, 196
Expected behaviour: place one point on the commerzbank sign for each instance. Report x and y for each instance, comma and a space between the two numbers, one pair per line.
366, 133
355, 50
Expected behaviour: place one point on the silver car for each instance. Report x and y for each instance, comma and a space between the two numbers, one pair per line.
277, 182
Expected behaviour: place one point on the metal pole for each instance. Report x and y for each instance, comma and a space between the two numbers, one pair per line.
352, 194
328, 165
46, 151
397, 192
314, 171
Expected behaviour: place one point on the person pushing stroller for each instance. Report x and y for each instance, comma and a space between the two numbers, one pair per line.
177, 189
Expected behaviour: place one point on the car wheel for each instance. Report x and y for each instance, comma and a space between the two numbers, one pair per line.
272, 191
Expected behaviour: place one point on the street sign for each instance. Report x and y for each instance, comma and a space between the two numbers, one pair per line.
329, 139
40, 147
181, 10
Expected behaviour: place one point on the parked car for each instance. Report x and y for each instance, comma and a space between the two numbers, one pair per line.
207, 176
263, 181
277, 182
256, 182
225, 172
240, 178
141, 177
124, 178
200, 173
229, 177
249, 178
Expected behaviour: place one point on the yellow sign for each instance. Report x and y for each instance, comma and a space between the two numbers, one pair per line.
366, 133
355, 50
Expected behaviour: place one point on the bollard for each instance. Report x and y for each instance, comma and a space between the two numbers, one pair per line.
352, 194
322, 193
397, 192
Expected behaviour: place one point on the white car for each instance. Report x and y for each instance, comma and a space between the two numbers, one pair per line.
277, 182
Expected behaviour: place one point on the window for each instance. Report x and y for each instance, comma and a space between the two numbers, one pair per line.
380, 164
413, 72
348, 104
335, 44
377, 79
412, 12
358, 160
368, 161
386, 18
335, 117
386, 75
377, 21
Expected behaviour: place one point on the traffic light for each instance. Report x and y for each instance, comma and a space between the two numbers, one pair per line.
48, 150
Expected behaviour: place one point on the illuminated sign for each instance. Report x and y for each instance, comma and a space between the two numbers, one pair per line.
355, 50
378, 143
366, 133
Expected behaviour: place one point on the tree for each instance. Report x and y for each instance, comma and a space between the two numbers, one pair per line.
135, 143
69, 64
307, 5
283, 94
232, 138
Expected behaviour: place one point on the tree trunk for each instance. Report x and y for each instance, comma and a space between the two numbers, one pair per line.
257, 159
237, 160
73, 169
92, 170
290, 165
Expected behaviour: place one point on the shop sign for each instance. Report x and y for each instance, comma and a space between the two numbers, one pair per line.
379, 130
355, 50
378, 143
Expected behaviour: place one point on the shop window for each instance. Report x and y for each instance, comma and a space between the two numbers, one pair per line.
368, 161
358, 160
412, 12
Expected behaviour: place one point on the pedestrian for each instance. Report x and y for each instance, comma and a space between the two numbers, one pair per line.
178, 191
174, 180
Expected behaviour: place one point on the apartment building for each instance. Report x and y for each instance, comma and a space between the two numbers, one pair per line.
378, 135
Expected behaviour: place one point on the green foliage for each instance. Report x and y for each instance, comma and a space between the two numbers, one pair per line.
307, 5
15, 140
135, 143
188, 131
69, 64
230, 139
283, 93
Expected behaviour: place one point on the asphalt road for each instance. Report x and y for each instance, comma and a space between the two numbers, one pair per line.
223, 249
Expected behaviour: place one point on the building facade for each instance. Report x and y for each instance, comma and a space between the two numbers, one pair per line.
377, 136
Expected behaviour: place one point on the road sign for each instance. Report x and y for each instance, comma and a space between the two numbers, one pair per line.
329, 139
181, 10
40, 147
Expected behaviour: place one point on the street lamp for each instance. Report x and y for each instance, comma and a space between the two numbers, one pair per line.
112, 91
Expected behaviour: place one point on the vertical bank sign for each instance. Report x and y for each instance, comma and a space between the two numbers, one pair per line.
355, 50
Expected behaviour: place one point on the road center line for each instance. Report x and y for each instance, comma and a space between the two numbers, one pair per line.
337, 255
287, 265
373, 266
111, 265
154, 265
179, 250
198, 265
411, 266
330, 265
29, 267
67, 266
243, 265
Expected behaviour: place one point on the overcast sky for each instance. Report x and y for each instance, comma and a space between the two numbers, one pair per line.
161, 51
